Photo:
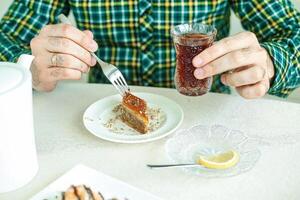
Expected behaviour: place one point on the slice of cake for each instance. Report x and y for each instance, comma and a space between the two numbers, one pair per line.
133, 113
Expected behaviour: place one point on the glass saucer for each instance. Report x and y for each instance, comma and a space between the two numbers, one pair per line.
187, 145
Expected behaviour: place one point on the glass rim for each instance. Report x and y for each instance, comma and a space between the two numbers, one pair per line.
210, 34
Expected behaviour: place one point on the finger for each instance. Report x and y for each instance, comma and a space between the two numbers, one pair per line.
70, 32
89, 34
66, 46
68, 61
61, 73
229, 61
37, 46
248, 76
224, 46
254, 91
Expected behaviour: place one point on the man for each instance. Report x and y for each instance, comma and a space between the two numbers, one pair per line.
135, 36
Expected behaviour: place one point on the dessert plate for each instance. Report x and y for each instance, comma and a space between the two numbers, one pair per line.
187, 145
109, 187
97, 119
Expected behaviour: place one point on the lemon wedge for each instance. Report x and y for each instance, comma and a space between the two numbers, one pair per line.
220, 161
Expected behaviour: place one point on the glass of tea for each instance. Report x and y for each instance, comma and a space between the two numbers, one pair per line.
189, 41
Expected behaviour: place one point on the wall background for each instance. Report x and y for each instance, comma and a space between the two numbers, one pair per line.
235, 28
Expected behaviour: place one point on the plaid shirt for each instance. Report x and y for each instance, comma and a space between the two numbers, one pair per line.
135, 35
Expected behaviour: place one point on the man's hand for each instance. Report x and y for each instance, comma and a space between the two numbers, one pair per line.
61, 53
249, 67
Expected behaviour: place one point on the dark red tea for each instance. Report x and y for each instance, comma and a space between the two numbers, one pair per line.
187, 47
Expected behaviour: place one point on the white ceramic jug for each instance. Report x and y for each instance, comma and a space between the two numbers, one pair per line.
18, 158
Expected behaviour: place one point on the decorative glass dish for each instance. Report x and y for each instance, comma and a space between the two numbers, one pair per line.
186, 146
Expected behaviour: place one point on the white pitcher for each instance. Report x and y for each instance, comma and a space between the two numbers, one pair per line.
18, 158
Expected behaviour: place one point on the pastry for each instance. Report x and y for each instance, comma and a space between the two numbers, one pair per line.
133, 112
81, 192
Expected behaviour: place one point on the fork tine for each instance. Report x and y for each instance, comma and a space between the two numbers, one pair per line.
124, 82
115, 84
121, 86
114, 75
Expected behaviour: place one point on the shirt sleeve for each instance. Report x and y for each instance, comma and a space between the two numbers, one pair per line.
277, 27
23, 21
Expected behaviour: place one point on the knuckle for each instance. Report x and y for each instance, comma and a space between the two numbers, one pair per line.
35, 42
54, 41
65, 42
261, 73
256, 74
238, 57
46, 28
262, 53
250, 35
84, 39
226, 42
66, 29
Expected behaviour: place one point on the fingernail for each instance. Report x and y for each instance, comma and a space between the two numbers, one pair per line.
199, 73
93, 46
198, 62
92, 35
94, 61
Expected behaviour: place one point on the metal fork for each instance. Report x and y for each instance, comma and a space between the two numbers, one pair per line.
111, 72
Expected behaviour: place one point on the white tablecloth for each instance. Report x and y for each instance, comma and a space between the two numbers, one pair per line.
62, 142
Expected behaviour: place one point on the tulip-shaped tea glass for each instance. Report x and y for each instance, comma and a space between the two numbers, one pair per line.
189, 41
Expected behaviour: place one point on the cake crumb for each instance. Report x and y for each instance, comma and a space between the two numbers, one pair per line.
89, 119
155, 115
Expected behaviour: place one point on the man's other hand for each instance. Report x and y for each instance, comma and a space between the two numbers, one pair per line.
243, 63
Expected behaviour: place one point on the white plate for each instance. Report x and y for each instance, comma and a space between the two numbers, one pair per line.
109, 187
99, 112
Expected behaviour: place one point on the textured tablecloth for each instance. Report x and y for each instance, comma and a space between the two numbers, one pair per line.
62, 142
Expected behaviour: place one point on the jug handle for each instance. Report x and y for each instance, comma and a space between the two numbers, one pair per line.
25, 60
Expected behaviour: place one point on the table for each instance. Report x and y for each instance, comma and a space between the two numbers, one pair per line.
62, 142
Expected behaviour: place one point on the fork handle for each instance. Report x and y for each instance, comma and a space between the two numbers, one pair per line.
172, 165
102, 63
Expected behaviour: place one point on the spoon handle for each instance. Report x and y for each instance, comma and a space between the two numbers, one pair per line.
172, 165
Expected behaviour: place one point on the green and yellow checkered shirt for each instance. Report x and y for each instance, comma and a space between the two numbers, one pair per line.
135, 35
